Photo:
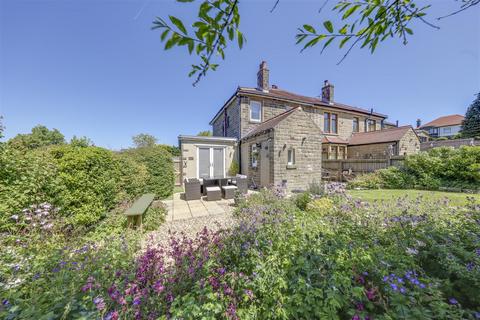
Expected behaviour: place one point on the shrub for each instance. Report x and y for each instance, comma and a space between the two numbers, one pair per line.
154, 217
366, 181
321, 206
159, 164
394, 178
26, 178
302, 200
234, 168
90, 182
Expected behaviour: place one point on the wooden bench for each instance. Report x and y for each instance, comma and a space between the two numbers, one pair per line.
135, 212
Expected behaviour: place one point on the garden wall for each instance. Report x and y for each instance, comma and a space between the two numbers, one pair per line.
455, 143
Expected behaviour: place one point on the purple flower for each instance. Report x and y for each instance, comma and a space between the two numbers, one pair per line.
5, 302
356, 317
453, 301
99, 303
136, 301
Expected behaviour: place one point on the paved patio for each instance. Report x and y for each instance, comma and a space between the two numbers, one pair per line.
179, 209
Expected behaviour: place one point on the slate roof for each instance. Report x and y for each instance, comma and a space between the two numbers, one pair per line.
270, 123
380, 136
276, 93
451, 120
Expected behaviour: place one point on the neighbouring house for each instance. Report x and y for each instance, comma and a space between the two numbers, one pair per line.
280, 137
386, 143
446, 126
422, 135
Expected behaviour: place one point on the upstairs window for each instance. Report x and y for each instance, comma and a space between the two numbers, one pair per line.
334, 123
255, 111
291, 157
372, 125
326, 122
355, 125
330, 122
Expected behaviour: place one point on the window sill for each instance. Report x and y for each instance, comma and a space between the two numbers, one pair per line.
255, 121
291, 167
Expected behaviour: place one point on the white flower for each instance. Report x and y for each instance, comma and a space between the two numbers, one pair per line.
15, 217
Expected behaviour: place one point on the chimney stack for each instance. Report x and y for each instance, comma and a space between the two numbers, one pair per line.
327, 92
419, 123
262, 77
396, 123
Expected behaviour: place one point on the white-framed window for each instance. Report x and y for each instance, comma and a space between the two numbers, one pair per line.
447, 130
255, 111
254, 155
291, 157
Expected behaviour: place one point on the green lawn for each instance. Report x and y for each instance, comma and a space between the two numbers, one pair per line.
456, 199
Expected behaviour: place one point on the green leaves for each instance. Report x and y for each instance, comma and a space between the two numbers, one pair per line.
328, 25
367, 22
217, 25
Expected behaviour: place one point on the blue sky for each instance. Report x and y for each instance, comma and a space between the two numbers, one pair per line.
94, 68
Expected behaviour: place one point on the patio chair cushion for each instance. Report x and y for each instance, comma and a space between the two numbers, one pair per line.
213, 189
229, 187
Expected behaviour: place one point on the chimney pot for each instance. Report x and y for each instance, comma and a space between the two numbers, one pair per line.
419, 123
274, 86
263, 77
327, 92
396, 123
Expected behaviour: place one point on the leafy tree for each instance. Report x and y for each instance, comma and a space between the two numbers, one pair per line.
365, 23
471, 124
40, 136
206, 133
174, 150
81, 142
1, 127
144, 140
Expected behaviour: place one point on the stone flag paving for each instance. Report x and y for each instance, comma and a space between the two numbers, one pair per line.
179, 209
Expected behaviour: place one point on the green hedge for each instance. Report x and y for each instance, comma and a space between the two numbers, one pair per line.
84, 182
439, 167
159, 164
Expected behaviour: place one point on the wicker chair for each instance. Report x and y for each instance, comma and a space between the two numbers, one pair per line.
192, 189
229, 192
241, 182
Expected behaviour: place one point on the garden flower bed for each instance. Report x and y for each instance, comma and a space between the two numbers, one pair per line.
309, 257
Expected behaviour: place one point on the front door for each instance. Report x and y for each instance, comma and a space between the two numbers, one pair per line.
265, 164
211, 162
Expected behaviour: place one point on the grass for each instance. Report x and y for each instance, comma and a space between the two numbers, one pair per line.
456, 199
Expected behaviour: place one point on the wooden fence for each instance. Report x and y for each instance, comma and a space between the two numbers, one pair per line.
455, 143
177, 169
361, 165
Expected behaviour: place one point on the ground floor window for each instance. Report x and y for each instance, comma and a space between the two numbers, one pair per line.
254, 155
334, 152
291, 157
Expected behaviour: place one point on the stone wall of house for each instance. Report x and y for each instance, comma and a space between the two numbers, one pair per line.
233, 129
246, 158
300, 133
370, 151
409, 144
270, 109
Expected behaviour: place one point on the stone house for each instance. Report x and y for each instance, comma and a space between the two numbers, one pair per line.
282, 136
446, 126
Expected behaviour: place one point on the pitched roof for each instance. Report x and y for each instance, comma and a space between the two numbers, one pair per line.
283, 94
451, 120
333, 139
276, 93
270, 123
380, 136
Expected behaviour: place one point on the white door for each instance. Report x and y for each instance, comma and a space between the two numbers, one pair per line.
211, 162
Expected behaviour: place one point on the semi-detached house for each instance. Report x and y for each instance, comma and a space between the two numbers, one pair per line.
280, 138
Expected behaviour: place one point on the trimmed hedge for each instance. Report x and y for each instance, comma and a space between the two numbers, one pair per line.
84, 182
